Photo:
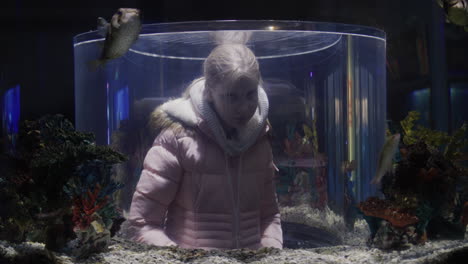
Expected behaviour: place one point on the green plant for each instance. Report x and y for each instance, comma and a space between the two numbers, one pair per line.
457, 143
452, 145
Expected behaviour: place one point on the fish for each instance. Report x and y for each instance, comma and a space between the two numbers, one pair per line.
121, 33
456, 12
386, 157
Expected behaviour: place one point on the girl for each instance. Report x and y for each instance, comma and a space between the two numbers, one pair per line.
207, 181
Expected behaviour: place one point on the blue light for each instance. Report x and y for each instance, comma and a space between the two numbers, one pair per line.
108, 115
458, 96
11, 110
311, 74
121, 105
420, 101
419, 94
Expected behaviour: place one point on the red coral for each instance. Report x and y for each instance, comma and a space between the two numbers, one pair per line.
398, 217
84, 207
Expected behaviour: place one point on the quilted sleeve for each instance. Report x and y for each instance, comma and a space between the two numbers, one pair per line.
156, 189
272, 234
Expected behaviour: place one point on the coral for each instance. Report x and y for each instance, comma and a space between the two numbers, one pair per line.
427, 191
55, 181
384, 209
84, 207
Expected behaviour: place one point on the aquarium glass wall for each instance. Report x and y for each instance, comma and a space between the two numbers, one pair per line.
326, 85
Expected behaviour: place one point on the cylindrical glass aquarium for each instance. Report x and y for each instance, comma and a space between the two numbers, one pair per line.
326, 85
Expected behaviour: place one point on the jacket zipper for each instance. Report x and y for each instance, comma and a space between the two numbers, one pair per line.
233, 199
236, 209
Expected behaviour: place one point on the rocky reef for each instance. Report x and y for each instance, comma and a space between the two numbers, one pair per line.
56, 188
425, 195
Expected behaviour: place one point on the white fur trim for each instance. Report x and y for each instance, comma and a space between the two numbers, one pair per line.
182, 110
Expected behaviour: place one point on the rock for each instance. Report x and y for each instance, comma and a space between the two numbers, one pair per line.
26, 253
391, 237
93, 239
123, 251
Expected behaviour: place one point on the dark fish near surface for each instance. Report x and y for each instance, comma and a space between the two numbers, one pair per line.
122, 31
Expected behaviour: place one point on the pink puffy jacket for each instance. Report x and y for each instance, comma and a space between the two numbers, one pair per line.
193, 195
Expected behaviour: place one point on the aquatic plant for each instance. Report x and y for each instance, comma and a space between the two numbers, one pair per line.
55, 181
457, 143
413, 133
453, 144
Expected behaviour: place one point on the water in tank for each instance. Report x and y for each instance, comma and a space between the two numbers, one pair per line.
326, 86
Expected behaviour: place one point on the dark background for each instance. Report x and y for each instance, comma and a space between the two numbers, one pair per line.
36, 43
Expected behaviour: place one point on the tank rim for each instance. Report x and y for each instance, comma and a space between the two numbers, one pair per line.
273, 25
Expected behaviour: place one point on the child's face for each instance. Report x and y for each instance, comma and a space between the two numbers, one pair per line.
236, 104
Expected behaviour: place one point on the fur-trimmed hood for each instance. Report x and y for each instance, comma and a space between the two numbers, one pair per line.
192, 112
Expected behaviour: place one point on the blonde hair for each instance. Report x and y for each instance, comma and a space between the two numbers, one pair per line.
228, 63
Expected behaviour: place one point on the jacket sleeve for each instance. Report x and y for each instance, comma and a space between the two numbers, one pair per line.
156, 189
272, 234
